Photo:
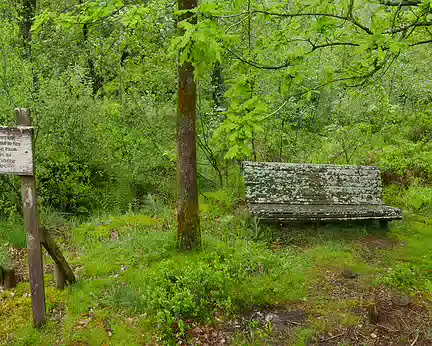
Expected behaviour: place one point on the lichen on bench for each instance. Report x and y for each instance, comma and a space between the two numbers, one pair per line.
285, 192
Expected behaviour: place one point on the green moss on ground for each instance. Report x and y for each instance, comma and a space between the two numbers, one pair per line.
134, 287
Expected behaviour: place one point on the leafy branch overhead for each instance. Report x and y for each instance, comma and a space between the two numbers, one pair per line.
373, 34
373, 40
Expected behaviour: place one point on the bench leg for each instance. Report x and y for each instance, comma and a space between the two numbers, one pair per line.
384, 225
59, 277
369, 223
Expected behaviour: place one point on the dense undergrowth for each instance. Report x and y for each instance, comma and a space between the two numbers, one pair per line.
134, 287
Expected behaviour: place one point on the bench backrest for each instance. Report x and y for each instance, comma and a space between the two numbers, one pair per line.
286, 183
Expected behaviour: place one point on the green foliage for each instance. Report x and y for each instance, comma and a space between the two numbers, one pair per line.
304, 336
411, 278
321, 82
134, 283
218, 202
416, 198
419, 199
407, 158
143, 274
101, 82
222, 279
103, 232
4, 258
243, 120
69, 186
10, 196
200, 44
12, 232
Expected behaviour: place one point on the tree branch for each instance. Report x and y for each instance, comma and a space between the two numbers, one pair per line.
331, 44
420, 42
409, 26
256, 65
330, 15
400, 3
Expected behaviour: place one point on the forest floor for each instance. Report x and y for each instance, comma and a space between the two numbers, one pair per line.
328, 285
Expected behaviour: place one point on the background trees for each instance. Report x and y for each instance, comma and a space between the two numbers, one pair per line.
335, 82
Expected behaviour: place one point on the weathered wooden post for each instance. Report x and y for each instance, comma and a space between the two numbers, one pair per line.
17, 157
62, 271
24, 161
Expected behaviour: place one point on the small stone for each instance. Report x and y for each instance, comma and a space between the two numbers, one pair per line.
400, 300
373, 335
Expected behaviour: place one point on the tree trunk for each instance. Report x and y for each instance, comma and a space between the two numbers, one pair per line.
27, 15
189, 235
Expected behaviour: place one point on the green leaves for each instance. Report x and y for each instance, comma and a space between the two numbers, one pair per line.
200, 44
427, 5
40, 20
133, 16
397, 47
88, 12
243, 121
325, 26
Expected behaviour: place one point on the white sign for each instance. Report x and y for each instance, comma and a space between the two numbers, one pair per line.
16, 150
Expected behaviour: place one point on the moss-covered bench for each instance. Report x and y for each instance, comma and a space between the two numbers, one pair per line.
284, 192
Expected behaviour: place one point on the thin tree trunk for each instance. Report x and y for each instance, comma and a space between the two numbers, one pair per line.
27, 15
28, 12
189, 235
254, 154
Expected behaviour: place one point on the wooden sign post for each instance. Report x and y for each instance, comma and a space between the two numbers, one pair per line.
30, 213
17, 157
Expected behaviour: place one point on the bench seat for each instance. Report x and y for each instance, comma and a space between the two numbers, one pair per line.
286, 213
286, 192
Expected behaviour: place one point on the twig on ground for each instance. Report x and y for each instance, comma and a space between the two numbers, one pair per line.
295, 323
362, 335
401, 318
333, 337
415, 340
355, 333
390, 330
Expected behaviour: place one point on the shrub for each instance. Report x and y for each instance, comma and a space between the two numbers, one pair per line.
407, 160
409, 277
227, 279
69, 186
10, 196
417, 198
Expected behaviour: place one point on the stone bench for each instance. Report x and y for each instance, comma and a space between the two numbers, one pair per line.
285, 192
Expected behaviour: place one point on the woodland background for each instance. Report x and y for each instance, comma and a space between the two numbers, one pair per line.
322, 81
100, 78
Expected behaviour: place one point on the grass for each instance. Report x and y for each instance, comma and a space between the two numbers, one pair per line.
11, 235
12, 232
135, 288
